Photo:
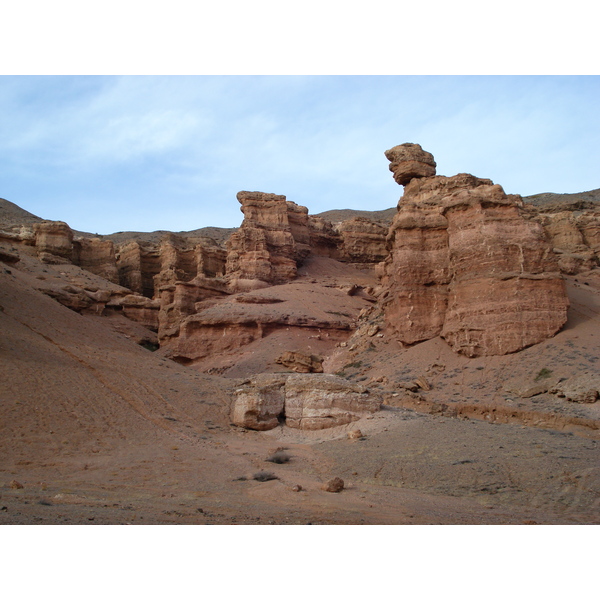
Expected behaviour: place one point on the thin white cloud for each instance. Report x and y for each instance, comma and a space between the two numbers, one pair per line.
132, 144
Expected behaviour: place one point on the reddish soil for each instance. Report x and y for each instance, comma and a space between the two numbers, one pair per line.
97, 429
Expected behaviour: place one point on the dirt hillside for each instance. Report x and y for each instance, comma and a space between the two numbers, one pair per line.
96, 428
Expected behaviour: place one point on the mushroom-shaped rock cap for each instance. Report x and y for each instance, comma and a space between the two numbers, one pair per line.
409, 161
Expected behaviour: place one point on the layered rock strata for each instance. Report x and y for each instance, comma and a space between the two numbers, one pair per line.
409, 161
263, 248
259, 402
575, 238
145, 268
300, 362
324, 239
276, 236
323, 401
304, 401
182, 299
97, 256
316, 316
466, 265
363, 241
53, 242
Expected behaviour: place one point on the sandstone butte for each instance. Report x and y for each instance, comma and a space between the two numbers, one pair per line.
466, 265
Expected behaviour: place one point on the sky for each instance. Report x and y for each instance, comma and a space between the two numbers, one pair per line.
143, 153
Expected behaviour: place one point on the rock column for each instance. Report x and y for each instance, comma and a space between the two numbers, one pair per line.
466, 265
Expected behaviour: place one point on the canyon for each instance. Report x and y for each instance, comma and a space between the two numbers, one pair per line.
464, 317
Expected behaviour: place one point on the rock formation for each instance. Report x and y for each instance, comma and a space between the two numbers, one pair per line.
583, 388
146, 268
53, 242
575, 236
222, 325
301, 363
181, 299
97, 256
137, 308
259, 403
363, 241
306, 401
324, 239
263, 249
276, 236
410, 161
466, 265
322, 401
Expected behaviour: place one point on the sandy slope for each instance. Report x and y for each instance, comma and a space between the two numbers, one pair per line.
98, 429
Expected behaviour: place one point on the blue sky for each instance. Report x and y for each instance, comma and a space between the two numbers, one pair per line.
115, 153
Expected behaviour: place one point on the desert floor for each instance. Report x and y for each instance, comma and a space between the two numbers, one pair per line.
95, 429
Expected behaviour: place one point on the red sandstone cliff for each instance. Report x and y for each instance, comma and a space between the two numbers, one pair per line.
465, 264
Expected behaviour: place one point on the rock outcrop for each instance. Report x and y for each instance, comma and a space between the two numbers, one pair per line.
461, 260
54, 242
324, 239
363, 241
182, 299
410, 161
583, 388
306, 401
145, 268
223, 325
322, 401
97, 256
276, 236
301, 363
259, 403
137, 308
575, 237
465, 264
264, 248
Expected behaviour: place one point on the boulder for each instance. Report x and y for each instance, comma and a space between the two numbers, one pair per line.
259, 402
355, 434
409, 161
307, 401
335, 485
583, 388
321, 401
301, 363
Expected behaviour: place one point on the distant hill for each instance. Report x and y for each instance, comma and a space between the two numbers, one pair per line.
219, 234
11, 215
379, 216
579, 200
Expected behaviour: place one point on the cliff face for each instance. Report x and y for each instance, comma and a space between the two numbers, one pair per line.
574, 235
363, 242
145, 267
460, 260
264, 248
465, 264
97, 256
